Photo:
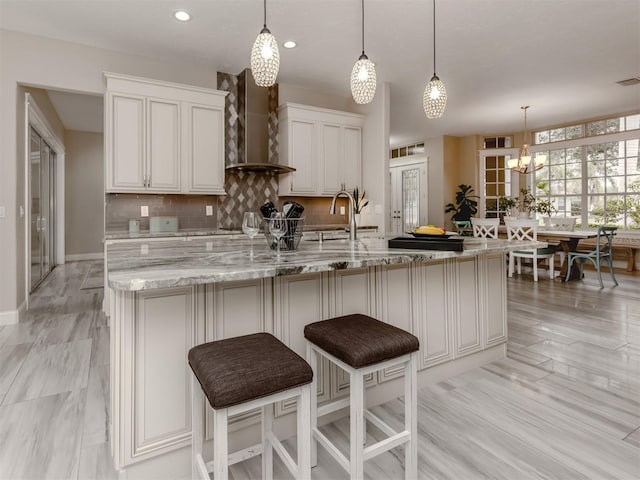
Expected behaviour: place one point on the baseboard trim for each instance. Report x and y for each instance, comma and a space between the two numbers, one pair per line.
11, 317
75, 257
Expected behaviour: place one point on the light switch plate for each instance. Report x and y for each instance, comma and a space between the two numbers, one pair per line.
343, 210
209, 246
1, 212
144, 211
209, 210
144, 249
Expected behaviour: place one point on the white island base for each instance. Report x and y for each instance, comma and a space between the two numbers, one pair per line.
454, 303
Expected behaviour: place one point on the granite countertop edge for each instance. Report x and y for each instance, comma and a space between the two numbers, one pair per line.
202, 232
174, 263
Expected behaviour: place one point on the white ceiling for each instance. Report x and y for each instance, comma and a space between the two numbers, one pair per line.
562, 57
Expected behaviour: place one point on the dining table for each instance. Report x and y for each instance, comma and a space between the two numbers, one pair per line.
568, 240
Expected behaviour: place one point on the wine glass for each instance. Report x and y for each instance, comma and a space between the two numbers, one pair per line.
278, 227
251, 226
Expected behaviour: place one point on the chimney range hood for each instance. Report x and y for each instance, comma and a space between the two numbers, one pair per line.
251, 117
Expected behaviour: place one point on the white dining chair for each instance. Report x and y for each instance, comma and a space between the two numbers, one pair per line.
528, 230
485, 227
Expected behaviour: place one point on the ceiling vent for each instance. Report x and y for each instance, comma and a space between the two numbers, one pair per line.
629, 81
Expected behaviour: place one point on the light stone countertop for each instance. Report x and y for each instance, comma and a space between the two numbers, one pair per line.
136, 266
205, 232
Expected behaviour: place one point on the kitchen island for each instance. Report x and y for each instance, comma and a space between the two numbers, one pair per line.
167, 296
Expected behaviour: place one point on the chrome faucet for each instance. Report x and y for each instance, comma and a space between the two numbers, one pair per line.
352, 217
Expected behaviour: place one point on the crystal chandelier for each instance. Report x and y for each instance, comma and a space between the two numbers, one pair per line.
363, 75
265, 56
434, 99
523, 164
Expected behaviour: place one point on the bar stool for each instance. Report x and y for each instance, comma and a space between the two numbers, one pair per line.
361, 345
239, 374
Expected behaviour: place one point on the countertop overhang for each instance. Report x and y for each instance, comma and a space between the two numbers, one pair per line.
134, 266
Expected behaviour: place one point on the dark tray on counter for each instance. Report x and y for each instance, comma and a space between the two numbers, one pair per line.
428, 243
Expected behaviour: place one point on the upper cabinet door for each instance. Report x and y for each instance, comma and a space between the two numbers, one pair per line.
203, 146
163, 151
163, 137
331, 158
325, 148
352, 165
125, 143
302, 156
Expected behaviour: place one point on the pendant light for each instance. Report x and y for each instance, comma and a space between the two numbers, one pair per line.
265, 56
523, 164
363, 75
434, 99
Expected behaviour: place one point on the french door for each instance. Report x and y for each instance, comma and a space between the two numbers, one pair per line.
42, 164
408, 197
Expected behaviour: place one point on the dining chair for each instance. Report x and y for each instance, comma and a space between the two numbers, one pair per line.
604, 244
461, 225
527, 230
485, 227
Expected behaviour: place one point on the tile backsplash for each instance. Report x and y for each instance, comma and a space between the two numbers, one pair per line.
246, 191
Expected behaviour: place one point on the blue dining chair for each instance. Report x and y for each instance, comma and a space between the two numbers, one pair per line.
604, 244
461, 225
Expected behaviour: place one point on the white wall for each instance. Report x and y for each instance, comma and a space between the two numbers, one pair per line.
434, 149
375, 159
37, 61
288, 93
84, 193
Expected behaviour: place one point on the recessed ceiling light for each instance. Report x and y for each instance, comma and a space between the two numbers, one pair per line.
182, 15
289, 44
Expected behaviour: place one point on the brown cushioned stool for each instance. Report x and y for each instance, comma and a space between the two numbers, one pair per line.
361, 345
240, 374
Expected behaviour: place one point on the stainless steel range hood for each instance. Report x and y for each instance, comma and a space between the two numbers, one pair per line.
251, 138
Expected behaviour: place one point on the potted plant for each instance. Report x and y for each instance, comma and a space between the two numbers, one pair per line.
508, 205
526, 203
465, 207
546, 208
359, 203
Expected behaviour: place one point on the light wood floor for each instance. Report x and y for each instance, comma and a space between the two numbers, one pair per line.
565, 404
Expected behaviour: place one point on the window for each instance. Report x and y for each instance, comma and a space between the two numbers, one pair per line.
407, 151
599, 182
497, 183
589, 129
498, 142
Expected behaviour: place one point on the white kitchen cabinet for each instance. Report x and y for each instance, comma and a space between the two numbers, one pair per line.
352, 291
494, 307
163, 145
397, 305
163, 137
203, 148
434, 323
325, 148
465, 306
299, 146
297, 301
125, 144
152, 379
341, 158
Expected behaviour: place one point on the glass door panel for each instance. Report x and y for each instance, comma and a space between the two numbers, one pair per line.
45, 207
35, 159
410, 199
42, 209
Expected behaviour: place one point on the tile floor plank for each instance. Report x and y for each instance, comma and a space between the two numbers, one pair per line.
564, 405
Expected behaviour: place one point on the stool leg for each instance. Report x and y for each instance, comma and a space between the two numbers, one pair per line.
267, 448
304, 433
197, 425
356, 462
312, 359
220, 447
411, 417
